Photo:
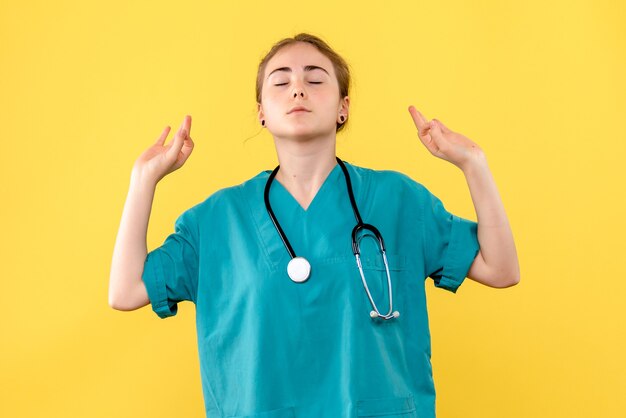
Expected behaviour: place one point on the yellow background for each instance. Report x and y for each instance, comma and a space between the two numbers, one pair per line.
85, 87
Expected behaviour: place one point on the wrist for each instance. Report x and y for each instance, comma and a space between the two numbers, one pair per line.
477, 163
140, 180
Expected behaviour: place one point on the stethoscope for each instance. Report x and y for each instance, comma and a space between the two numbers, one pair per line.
299, 268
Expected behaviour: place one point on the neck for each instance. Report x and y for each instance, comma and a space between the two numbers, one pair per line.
305, 165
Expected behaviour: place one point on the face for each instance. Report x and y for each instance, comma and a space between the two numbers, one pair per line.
300, 75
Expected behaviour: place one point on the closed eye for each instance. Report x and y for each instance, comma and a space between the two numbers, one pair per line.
312, 82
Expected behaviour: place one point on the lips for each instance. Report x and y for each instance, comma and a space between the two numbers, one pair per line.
298, 108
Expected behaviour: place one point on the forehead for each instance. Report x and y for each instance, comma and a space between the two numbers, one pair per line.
297, 56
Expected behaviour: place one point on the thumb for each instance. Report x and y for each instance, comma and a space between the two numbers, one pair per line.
177, 144
435, 132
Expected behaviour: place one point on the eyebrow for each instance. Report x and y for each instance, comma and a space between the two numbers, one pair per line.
306, 68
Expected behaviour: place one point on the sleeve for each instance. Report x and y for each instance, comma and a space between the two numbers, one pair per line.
170, 271
450, 244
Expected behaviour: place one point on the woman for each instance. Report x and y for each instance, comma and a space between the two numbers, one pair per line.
289, 323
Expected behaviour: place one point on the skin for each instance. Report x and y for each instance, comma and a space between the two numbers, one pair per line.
305, 146
127, 290
159, 160
496, 264
304, 141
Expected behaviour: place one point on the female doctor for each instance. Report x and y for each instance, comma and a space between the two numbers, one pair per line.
309, 278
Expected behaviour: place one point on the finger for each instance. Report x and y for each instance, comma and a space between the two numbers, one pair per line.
188, 144
437, 135
176, 145
164, 134
443, 127
425, 130
418, 118
423, 126
187, 124
187, 149
426, 137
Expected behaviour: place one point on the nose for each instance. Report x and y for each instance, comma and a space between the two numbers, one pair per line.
298, 90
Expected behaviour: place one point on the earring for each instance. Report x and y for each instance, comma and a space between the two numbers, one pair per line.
263, 122
341, 117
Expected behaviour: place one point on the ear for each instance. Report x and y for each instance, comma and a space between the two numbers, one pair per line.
344, 108
345, 104
260, 112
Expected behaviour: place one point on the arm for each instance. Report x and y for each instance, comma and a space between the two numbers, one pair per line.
496, 264
127, 290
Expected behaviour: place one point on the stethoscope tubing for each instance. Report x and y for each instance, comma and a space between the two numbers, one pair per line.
355, 210
355, 246
266, 196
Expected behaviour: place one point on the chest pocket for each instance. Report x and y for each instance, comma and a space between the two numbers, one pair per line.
376, 278
401, 407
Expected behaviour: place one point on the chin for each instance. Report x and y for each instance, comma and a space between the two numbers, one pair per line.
302, 132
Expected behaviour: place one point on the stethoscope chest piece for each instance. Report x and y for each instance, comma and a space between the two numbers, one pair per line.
299, 269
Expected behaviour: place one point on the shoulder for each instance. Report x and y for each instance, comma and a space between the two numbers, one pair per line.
391, 180
227, 197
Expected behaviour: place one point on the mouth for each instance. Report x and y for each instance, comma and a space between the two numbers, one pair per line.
298, 109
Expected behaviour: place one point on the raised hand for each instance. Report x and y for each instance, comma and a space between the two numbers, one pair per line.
444, 143
159, 160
